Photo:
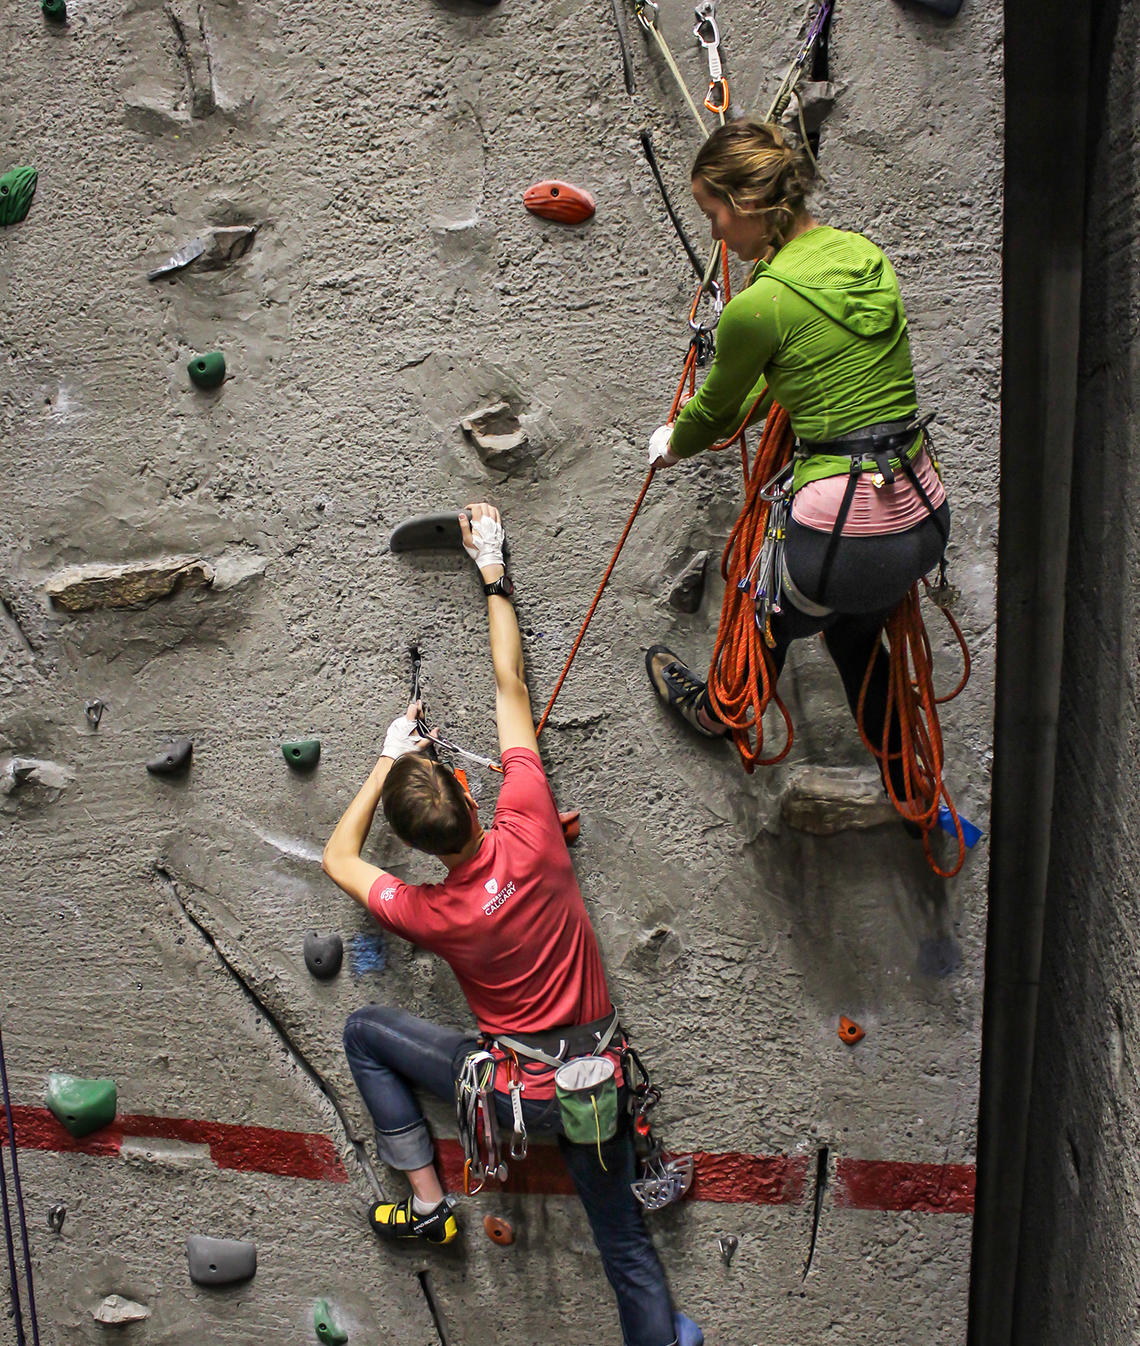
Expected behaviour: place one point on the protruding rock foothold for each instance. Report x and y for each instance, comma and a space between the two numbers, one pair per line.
172, 759
728, 1245
849, 1031
328, 1331
498, 1231
115, 1311
82, 1106
226, 245
561, 201
17, 187
207, 371
220, 1261
56, 1217
497, 434
323, 954
689, 586
87, 587
571, 826
55, 10
177, 260
94, 712
825, 800
303, 753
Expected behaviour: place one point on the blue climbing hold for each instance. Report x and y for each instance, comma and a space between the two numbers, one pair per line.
970, 834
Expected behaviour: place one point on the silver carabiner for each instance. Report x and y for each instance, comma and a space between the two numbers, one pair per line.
643, 6
706, 24
773, 489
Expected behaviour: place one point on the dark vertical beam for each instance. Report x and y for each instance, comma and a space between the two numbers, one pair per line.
1047, 63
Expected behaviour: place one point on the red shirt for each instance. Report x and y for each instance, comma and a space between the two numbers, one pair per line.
510, 921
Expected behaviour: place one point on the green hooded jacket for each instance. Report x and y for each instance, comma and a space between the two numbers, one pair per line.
821, 329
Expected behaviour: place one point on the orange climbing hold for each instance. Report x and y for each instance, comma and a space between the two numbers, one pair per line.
571, 826
498, 1231
849, 1031
560, 201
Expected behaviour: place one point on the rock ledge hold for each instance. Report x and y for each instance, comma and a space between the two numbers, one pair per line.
497, 434
85, 588
115, 1310
825, 800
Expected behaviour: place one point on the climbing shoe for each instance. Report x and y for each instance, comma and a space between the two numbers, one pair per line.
399, 1222
680, 688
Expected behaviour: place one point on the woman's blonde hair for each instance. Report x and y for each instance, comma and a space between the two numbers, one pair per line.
756, 170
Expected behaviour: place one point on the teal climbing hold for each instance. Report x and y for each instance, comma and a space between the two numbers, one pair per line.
82, 1106
17, 187
327, 1330
302, 753
207, 371
55, 10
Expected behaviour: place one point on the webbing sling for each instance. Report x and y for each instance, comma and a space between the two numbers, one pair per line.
521, 1048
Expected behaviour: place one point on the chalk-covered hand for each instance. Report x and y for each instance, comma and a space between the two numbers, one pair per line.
403, 736
483, 535
660, 454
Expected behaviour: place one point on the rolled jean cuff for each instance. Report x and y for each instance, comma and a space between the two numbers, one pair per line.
410, 1147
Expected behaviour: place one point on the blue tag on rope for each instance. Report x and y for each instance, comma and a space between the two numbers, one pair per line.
970, 834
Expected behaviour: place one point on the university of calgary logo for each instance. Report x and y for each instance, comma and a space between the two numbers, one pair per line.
492, 886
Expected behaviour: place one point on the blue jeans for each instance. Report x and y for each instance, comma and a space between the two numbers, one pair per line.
389, 1051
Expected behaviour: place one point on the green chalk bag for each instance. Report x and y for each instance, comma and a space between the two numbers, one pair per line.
588, 1100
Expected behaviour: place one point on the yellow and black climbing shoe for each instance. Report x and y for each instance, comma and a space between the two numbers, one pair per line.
399, 1222
680, 689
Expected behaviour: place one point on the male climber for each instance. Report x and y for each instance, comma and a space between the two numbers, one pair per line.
509, 920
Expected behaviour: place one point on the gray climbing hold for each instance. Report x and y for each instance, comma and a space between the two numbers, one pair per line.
82, 1106
177, 260
226, 245
220, 1261
826, 800
115, 1311
302, 754
173, 758
689, 586
323, 954
94, 712
728, 1245
56, 1217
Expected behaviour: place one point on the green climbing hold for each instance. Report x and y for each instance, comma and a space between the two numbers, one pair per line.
303, 753
207, 371
327, 1330
17, 187
82, 1106
55, 10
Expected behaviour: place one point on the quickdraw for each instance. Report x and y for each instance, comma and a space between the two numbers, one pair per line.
708, 35
477, 1124
434, 735
795, 71
664, 1178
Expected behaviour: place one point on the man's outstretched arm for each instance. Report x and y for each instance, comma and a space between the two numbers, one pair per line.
483, 540
341, 859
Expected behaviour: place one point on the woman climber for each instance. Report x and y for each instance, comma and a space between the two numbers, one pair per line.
820, 329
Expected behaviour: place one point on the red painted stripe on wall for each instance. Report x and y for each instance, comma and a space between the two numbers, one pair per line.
879, 1184
748, 1179
250, 1149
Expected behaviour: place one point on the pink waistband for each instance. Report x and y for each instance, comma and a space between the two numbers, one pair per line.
874, 509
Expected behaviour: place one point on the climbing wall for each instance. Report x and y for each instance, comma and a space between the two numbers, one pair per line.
181, 562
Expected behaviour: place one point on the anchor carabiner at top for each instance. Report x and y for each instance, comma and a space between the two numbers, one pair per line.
647, 8
707, 33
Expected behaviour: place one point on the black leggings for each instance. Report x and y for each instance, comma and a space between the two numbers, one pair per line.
869, 577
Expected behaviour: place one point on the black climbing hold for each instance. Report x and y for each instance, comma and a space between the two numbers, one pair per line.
302, 753
172, 759
323, 954
947, 7
220, 1261
328, 1330
55, 10
430, 531
82, 1106
56, 1217
207, 371
94, 712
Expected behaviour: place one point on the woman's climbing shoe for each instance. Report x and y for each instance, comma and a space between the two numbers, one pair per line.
680, 689
399, 1222
688, 1333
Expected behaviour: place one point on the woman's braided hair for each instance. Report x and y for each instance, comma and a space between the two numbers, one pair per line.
756, 169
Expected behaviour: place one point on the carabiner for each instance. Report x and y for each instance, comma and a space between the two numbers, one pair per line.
705, 29
644, 6
720, 103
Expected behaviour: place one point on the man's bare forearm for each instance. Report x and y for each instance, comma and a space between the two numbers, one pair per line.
350, 834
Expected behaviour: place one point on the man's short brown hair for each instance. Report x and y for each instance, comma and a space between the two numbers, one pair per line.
426, 806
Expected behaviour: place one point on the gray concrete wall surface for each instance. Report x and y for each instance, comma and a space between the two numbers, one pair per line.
152, 927
1080, 1253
